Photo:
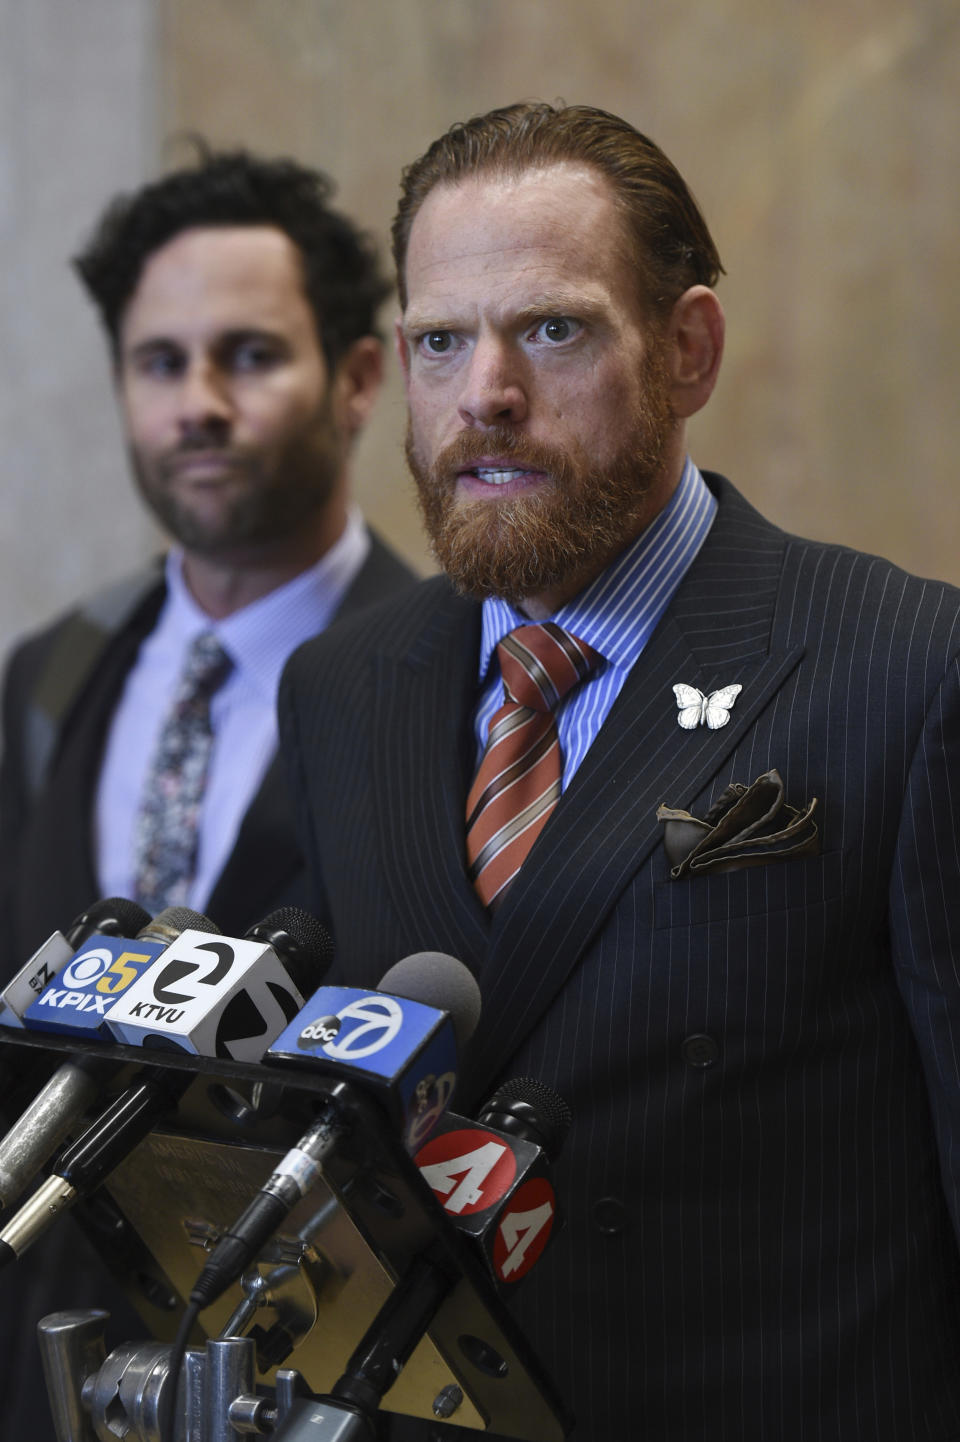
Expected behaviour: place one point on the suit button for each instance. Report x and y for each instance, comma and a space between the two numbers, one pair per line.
700, 1051
610, 1216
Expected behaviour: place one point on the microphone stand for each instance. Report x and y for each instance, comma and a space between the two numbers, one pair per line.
461, 1354
216, 1398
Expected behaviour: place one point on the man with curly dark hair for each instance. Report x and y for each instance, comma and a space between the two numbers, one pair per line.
241, 313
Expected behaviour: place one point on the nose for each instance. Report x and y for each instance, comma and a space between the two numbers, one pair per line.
495, 389
204, 403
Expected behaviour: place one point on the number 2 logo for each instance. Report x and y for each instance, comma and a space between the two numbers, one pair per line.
178, 968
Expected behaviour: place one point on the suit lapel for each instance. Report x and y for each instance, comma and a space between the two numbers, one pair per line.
267, 856
264, 859
422, 756
605, 827
67, 804
381, 573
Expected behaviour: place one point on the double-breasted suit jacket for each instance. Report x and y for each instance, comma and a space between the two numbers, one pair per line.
762, 1180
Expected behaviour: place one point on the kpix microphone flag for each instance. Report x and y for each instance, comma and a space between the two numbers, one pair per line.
114, 916
76, 1002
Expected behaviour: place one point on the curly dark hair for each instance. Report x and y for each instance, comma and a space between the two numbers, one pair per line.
673, 249
341, 268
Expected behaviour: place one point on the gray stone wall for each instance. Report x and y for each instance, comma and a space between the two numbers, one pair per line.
77, 122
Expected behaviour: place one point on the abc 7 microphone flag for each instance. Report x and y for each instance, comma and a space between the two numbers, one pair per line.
402, 1050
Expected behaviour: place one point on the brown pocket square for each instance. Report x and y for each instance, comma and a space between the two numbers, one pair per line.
746, 826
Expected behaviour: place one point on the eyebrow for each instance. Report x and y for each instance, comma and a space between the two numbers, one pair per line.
236, 336
540, 307
150, 344
561, 303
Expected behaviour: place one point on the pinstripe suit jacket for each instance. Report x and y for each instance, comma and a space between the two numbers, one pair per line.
762, 1182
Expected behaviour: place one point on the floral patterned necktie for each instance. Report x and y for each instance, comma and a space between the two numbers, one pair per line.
167, 827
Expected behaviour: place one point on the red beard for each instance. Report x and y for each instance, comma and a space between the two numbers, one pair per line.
564, 532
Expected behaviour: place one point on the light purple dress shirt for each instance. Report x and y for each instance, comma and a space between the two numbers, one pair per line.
259, 638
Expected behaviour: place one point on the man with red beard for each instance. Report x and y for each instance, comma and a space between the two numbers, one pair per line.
682, 791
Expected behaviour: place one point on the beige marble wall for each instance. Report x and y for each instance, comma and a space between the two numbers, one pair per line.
822, 138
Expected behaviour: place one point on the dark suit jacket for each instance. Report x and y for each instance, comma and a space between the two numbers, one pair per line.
48, 877
762, 1181
46, 843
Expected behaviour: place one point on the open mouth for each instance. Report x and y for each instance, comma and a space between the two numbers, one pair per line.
501, 475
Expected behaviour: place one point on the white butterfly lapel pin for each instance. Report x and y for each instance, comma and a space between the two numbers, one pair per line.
695, 709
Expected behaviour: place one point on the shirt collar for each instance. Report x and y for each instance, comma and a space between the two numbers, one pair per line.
260, 637
616, 613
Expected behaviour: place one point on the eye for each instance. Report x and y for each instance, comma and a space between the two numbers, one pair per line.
436, 342
255, 354
557, 328
159, 364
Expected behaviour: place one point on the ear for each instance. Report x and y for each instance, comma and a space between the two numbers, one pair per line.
356, 383
695, 334
402, 348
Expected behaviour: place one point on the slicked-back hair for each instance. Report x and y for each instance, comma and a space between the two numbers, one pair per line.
672, 247
342, 278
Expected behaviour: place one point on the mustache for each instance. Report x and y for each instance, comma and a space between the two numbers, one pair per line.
471, 447
167, 467
201, 441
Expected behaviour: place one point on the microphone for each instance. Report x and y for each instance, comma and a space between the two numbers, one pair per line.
399, 1042
131, 1115
225, 998
400, 1039
513, 1227
76, 1002
510, 1216
60, 1103
492, 1176
114, 916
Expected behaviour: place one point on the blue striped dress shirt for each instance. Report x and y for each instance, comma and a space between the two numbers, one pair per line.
616, 615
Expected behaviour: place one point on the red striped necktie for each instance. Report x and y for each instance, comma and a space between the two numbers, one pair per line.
518, 783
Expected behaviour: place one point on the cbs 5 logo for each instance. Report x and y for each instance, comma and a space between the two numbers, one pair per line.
110, 974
